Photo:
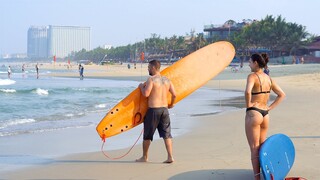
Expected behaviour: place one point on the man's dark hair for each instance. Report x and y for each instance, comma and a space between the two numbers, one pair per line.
155, 63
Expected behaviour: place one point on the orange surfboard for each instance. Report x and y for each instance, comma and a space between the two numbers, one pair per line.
187, 75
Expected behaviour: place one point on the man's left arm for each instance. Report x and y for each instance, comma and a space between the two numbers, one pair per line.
173, 95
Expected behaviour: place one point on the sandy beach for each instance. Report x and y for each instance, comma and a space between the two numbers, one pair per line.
216, 147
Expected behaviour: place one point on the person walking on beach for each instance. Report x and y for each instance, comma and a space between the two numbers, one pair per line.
9, 72
302, 60
156, 90
257, 94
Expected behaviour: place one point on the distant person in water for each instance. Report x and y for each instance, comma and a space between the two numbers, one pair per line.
9, 72
156, 90
81, 69
37, 70
257, 93
23, 68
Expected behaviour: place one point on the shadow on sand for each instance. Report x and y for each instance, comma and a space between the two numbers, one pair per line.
216, 174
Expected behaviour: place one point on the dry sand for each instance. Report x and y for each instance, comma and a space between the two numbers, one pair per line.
216, 148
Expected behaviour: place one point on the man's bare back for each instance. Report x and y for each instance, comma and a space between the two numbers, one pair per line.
159, 92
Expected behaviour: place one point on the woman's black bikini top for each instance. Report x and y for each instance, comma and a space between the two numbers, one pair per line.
261, 92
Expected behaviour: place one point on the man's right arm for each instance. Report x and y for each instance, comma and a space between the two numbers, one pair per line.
146, 87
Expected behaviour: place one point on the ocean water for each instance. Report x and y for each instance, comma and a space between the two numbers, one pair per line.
30, 105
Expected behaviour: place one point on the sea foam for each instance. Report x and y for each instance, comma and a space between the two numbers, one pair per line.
17, 122
42, 92
8, 90
101, 105
4, 82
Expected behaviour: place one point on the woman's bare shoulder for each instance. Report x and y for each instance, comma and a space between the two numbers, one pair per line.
252, 76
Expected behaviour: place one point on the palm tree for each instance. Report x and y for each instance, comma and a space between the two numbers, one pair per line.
230, 23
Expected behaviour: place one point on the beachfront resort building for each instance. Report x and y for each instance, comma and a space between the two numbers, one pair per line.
310, 52
58, 41
215, 32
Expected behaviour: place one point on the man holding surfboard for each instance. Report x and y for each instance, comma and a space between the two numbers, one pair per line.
257, 93
157, 89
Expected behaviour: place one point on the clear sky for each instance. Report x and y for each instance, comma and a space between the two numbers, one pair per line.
121, 22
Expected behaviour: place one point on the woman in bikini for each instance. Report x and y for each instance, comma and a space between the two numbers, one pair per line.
257, 94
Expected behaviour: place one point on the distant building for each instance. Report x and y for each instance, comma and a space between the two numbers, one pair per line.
13, 56
314, 47
107, 46
37, 46
5, 56
59, 41
19, 55
63, 40
224, 31
311, 52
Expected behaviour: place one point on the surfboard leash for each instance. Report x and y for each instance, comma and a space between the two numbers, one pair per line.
104, 138
119, 157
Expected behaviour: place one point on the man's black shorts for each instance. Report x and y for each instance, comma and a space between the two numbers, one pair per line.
157, 118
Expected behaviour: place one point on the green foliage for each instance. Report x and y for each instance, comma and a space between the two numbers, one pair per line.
153, 45
272, 33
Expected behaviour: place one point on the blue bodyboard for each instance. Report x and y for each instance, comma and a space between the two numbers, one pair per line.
276, 157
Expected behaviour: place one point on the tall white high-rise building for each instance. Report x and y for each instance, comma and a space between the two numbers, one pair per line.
63, 40
59, 41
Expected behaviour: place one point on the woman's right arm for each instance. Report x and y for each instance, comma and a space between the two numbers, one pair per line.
247, 93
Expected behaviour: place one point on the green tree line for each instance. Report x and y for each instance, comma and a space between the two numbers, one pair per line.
272, 33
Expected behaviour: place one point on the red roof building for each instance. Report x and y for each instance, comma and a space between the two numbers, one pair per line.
311, 52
